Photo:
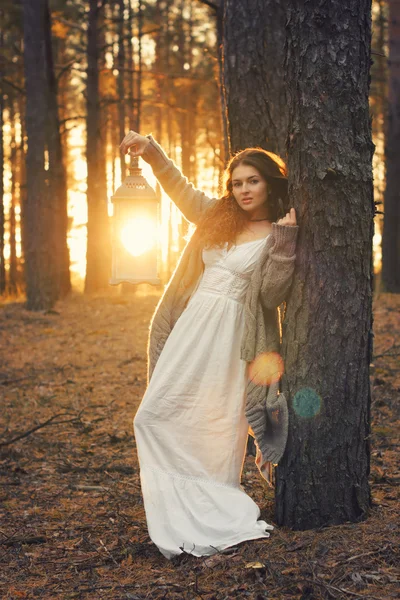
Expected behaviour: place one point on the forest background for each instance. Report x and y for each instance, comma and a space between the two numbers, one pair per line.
147, 66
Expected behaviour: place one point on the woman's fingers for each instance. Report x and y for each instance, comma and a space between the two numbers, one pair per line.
134, 139
289, 218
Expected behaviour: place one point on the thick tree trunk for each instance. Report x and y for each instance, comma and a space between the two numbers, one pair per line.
391, 224
40, 271
254, 38
57, 172
327, 333
98, 240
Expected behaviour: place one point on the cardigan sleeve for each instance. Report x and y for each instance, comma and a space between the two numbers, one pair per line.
278, 271
190, 201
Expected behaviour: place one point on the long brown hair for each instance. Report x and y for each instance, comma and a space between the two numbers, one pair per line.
225, 219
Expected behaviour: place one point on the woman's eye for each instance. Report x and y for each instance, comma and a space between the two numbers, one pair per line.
254, 181
236, 184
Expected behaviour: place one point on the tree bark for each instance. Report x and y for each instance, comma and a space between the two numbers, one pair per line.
56, 171
98, 240
327, 332
40, 268
391, 223
254, 39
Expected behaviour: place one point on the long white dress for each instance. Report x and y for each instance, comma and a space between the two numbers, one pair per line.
191, 428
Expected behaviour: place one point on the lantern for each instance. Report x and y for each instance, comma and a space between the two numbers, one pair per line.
135, 246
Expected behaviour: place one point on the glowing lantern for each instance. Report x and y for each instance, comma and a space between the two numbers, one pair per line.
135, 247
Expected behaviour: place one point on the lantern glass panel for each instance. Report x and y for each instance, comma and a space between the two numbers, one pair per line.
135, 235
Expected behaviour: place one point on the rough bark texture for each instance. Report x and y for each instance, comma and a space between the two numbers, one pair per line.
391, 223
40, 272
98, 248
254, 38
327, 333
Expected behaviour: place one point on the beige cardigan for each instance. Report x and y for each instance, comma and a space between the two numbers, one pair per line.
266, 408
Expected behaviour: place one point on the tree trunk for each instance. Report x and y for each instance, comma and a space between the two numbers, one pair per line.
57, 172
131, 67
327, 333
121, 81
139, 67
220, 8
2, 258
254, 38
12, 287
98, 240
391, 223
40, 268
22, 174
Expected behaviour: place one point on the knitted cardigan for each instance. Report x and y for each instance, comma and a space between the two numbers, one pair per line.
266, 409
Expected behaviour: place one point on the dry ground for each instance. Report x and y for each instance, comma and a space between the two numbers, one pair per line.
71, 516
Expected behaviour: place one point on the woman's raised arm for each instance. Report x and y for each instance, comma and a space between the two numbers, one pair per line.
190, 201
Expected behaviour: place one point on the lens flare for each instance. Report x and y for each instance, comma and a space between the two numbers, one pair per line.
139, 236
307, 403
266, 368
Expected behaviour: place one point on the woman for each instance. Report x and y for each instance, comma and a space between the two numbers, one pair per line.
214, 331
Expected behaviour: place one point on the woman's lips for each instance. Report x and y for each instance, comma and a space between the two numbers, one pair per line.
247, 200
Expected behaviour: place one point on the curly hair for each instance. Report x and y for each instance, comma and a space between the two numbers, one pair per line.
225, 219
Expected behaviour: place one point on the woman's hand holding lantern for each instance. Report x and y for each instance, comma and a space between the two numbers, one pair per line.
136, 142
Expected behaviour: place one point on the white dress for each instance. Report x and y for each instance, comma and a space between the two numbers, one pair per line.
191, 428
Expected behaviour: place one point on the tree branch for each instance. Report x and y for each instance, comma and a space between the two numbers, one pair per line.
48, 422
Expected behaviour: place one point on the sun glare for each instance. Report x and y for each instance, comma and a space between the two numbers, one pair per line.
139, 236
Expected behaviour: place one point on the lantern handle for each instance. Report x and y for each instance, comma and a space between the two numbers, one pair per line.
134, 161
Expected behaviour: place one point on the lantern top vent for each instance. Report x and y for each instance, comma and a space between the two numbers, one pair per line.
135, 185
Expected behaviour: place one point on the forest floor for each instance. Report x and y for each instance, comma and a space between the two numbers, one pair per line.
72, 522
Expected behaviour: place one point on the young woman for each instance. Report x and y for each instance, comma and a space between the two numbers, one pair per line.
215, 329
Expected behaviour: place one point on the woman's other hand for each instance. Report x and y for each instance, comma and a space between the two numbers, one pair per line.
134, 139
288, 219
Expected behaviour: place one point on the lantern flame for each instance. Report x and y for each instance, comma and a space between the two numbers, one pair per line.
138, 236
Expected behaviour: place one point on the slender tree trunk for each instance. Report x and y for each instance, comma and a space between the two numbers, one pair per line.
40, 268
327, 333
98, 241
57, 171
131, 68
391, 224
220, 49
13, 272
139, 72
22, 175
2, 221
254, 39
121, 81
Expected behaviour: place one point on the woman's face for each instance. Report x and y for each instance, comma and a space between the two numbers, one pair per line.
249, 189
